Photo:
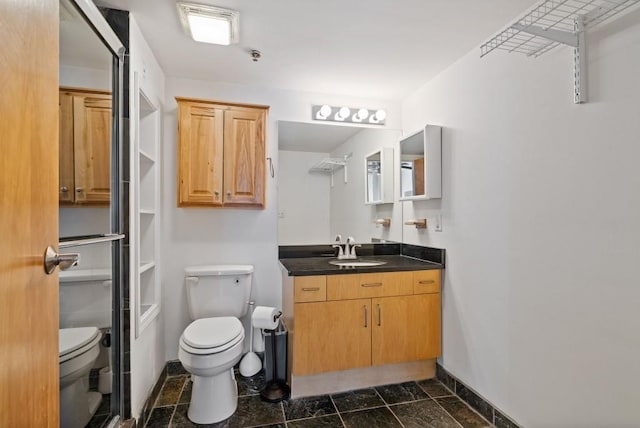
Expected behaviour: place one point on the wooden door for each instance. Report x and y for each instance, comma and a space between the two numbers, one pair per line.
244, 157
66, 168
405, 328
29, 386
331, 336
92, 148
200, 146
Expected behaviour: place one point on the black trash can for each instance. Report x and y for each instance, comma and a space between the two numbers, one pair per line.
281, 353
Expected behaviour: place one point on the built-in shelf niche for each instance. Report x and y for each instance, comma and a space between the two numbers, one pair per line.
146, 203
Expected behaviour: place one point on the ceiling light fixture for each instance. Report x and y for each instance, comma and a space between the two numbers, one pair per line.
209, 24
363, 116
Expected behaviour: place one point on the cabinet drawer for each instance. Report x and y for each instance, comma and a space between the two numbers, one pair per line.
310, 289
426, 281
364, 285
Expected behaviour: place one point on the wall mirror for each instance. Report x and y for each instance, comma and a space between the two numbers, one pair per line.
89, 205
421, 164
379, 177
321, 185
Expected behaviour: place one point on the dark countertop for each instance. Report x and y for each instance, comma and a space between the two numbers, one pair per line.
305, 266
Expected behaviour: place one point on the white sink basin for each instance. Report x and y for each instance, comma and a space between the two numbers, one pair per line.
357, 263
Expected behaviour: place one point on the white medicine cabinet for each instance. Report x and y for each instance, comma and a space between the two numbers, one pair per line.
379, 177
420, 164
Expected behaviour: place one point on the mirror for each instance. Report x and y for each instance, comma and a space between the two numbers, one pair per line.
420, 164
86, 120
321, 187
379, 177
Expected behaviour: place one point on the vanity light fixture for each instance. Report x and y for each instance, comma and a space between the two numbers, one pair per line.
344, 114
209, 24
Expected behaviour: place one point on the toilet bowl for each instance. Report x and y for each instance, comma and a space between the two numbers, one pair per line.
78, 349
209, 349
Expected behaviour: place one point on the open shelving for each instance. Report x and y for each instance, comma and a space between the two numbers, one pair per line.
146, 203
558, 22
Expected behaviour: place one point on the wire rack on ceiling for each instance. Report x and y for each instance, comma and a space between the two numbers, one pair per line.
550, 17
330, 165
558, 22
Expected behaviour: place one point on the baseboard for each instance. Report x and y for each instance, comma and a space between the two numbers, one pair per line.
346, 380
475, 400
155, 392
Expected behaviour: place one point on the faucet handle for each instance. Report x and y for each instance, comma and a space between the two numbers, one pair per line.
353, 250
339, 238
351, 240
340, 251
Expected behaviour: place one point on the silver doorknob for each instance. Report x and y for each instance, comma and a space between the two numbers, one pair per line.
53, 259
64, 189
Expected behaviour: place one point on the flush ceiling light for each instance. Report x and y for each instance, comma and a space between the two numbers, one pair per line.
348, 114
209, 24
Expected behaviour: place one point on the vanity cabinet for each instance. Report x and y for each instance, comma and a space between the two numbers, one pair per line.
363, 320
85, 147
221, 154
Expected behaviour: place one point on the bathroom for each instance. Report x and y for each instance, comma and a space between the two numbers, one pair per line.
530, 181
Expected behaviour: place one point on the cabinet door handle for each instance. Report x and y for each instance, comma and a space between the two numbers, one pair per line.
379, 316
372, 284
64, 189
311, 289
229, 193
79, 189
427, 281
366, 315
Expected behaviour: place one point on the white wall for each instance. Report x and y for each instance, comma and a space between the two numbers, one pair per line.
147, 350
303, 199
540, 209
349, 214
194, 236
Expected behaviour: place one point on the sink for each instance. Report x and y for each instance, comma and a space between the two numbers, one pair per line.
357, 263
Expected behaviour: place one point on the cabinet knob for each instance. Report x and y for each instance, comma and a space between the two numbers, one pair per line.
79, 189
64, 189
216, 194
229, 193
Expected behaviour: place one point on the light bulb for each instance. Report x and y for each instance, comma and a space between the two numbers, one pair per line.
325, 111
363, 113
381, 115
344, 113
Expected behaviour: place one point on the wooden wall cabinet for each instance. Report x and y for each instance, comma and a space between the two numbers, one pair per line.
221, 154
342, 322
85, 147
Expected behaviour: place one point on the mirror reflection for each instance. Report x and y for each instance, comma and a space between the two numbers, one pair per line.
84, 209
412, 169
379, 177
322, 184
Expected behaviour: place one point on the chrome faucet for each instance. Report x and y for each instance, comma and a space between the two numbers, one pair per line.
350, 248
339, 246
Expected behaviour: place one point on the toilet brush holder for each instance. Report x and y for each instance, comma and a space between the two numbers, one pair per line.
251, 363
275, 390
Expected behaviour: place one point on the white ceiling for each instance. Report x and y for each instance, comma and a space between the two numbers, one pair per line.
366, 48
313, 137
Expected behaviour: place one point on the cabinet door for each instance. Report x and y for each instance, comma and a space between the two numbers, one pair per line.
405, 328
67, 184
244, 157
92, 147
330, 336
200, 144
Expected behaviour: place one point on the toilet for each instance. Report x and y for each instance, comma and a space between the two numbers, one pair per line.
78, 349
213, 343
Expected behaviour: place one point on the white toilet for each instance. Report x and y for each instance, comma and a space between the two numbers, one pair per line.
213, 343
78, 349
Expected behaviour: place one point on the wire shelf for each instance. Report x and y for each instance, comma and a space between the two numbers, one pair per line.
553, 22
328, 165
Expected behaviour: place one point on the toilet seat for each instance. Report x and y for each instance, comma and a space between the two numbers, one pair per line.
211, 335
76, 341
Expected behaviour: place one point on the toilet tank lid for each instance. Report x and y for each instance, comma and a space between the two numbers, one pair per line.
214, 270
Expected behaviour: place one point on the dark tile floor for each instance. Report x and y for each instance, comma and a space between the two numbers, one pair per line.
426, 403
102, 415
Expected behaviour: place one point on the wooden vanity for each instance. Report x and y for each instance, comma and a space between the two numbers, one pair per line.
356, 330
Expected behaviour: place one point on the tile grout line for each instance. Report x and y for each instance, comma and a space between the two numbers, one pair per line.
440, 405
388, 407
337, 410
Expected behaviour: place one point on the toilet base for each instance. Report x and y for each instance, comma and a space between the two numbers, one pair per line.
213, 398
77, 405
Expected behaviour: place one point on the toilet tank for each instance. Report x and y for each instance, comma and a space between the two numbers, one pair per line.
218, 290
